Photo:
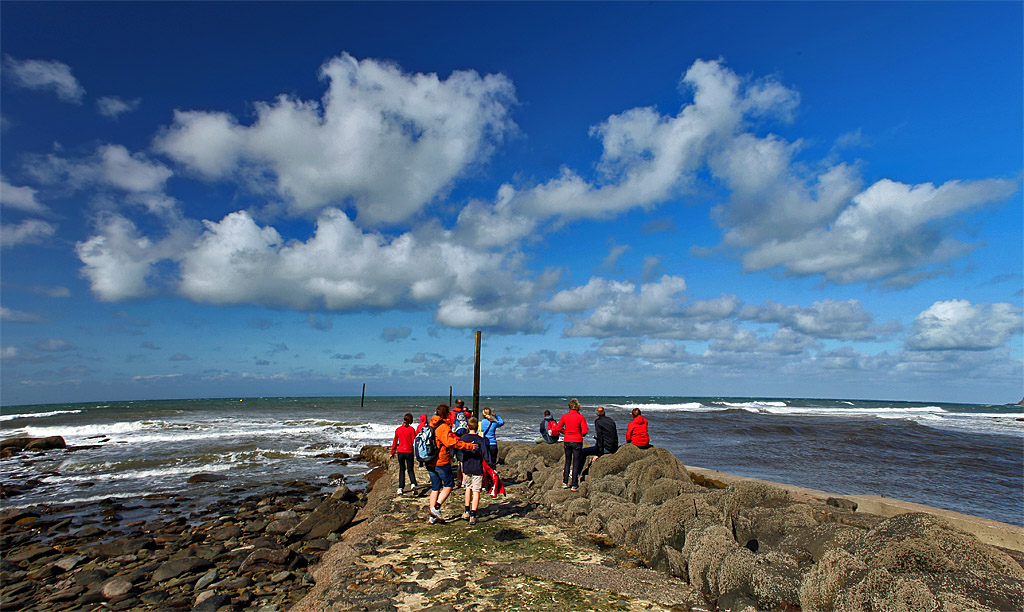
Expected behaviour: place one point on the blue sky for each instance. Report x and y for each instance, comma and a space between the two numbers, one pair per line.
729, 199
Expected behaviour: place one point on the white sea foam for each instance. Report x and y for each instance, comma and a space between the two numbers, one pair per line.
36, 415
683, 407
141, 474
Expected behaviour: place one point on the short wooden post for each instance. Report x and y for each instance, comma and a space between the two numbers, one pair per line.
363, 398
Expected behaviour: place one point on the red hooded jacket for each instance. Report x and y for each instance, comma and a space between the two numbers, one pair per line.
636, 432
573, 426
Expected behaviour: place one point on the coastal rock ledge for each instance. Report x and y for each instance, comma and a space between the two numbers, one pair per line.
638, 516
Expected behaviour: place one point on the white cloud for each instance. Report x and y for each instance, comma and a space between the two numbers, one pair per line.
959, 325
384, 141
886, 230
21, 198
44, 75
840, 320
341, 268
114, 107
110, 166
394, 334
30, 231
16, 316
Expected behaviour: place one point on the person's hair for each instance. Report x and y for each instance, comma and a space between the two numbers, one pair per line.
487, 410
459, 402
442, 411
547, 413
574, 404
407, 418
473, 423
636, 412
600, 410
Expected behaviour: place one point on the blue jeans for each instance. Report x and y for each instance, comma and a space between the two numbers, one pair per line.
440, 477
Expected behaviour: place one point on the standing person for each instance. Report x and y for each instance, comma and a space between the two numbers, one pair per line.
574, 427
488, 425
606, 437
440, 469
423, 423
636, 432
402, 444
473, 469
546, 425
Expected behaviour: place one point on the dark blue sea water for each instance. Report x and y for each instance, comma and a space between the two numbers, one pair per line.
966, 458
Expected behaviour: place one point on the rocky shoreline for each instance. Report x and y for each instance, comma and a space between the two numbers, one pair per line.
640, 534
241, 551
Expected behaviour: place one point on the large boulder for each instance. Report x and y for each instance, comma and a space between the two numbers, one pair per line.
38, 444
332, 515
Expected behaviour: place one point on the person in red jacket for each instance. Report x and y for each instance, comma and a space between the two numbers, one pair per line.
402, 444
573, 427
636, 432
440, 469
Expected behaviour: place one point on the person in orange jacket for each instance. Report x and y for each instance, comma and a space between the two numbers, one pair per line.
440, 469
636, 432
573, 427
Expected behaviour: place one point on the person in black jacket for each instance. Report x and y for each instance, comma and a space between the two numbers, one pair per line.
606, 437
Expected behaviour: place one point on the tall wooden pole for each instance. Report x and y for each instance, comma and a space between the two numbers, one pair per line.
449, 396
363, 398
476, 380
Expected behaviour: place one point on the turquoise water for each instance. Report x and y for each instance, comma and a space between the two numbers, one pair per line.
966, 458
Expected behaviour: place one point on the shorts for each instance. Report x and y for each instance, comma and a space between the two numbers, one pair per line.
475, 482
440, 477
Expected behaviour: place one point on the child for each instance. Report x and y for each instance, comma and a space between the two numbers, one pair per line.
472, 467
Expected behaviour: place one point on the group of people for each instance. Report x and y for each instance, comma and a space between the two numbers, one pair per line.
457, 431
573, 426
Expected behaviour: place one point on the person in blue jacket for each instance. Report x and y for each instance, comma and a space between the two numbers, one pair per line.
488, 424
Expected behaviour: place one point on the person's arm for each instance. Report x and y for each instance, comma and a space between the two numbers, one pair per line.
498, 421
584, 429
394, 443
446, 437
629, 433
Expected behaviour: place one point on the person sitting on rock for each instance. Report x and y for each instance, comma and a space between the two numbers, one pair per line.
606, 437
547, 427
440, 469
473, 469
636, 432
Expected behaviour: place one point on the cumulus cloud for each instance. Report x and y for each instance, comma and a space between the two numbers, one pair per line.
44, 75
840, 320
959, 325
341, 268
888, 229
20, 198
381, 140
53, 345
113, 107
30, 231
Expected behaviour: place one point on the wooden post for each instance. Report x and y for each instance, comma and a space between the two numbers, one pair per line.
449, 396
363, 398
476, 380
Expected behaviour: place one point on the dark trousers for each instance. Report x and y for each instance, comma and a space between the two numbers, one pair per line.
573, 458
405, 463
493, 449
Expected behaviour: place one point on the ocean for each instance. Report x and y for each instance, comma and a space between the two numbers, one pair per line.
966, 458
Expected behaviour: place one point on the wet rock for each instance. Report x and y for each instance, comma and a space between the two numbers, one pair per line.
116, 587
69, 563
212, 603
330, 516
206, 477
177, 567
264, 558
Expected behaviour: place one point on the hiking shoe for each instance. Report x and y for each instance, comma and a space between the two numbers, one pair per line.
565, 485
465, 515
574, 489
472, 520
436, 513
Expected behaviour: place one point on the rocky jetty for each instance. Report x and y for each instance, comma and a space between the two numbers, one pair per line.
751, 546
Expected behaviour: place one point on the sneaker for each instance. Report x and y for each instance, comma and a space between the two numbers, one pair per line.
399, 490
431, 521
472, 520
465, 515
574, 489
565, 485
436, 513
